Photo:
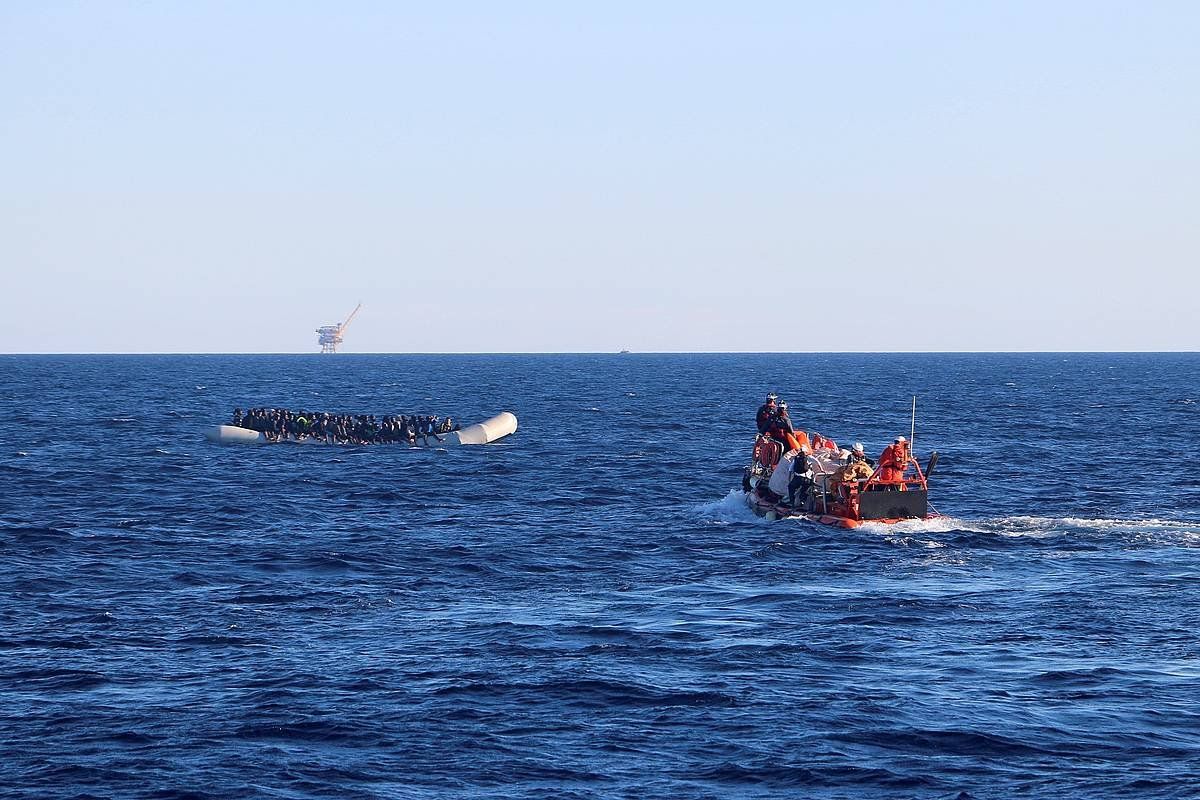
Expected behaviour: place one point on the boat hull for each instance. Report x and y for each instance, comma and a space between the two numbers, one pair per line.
773, 511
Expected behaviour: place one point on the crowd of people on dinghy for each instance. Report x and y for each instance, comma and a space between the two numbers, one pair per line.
280, 425
773, 421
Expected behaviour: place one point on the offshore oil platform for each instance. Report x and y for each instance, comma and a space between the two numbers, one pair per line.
330, 336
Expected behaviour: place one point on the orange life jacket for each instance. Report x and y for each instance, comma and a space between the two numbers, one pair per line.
892, 462
819, 442
885, 458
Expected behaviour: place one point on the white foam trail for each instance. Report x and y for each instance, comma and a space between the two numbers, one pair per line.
1155, 530
730, 508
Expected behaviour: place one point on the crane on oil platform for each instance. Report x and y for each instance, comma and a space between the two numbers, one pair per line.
330, 336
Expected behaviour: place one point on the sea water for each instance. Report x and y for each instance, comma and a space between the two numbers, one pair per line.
587, 609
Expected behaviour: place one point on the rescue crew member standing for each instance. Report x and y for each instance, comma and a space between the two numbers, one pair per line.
893, 461
766, 413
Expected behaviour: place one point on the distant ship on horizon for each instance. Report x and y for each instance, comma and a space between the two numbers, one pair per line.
623, 353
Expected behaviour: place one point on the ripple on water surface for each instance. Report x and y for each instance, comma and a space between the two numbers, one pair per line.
588, 610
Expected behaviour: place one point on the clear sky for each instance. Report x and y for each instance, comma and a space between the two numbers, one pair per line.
225, 177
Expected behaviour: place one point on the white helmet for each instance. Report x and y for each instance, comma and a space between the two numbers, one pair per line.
858, 447
901, 439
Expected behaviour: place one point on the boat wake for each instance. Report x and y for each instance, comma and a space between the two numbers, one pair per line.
732, 509
1136, 532
729, 509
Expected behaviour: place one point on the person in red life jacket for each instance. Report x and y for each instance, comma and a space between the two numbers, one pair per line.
893, 461
781, 429
766, 413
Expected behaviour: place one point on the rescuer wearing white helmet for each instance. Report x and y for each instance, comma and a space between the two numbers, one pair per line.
858, 453
893, 463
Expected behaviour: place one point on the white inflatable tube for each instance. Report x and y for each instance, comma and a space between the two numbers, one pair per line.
230, 434
486, 432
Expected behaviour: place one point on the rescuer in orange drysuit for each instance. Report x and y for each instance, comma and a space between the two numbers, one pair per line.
781, 429
893, 462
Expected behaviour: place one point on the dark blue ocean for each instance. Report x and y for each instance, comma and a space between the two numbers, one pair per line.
585, 609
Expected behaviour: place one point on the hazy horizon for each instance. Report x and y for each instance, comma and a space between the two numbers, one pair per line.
923, 177
632, 352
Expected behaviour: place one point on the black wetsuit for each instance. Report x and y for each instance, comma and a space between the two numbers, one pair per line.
764, 417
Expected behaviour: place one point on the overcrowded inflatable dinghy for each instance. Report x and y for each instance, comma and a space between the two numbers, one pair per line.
490, 430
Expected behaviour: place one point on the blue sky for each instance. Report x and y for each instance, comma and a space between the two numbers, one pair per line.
225, 177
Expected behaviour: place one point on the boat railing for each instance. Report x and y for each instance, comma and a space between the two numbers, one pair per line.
912, 478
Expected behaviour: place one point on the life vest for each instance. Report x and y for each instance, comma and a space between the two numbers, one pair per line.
885, 462
892, 462
819, 442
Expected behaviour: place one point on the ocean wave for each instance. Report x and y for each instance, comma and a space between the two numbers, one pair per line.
592, 610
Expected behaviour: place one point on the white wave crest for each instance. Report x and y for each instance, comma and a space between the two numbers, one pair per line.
730, 508
1143, 530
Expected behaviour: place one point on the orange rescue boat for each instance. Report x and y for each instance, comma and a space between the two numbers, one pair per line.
805, 484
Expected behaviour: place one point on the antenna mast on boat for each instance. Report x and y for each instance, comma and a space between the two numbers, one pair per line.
912, 434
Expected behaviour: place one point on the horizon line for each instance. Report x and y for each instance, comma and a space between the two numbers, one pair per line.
614, 353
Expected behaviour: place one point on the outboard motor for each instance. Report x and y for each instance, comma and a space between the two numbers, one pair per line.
932, 465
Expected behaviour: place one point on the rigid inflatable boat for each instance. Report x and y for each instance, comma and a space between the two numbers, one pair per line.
486, 432
803, 484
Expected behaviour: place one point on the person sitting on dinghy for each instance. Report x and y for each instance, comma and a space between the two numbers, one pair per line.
855, 469
857, 453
